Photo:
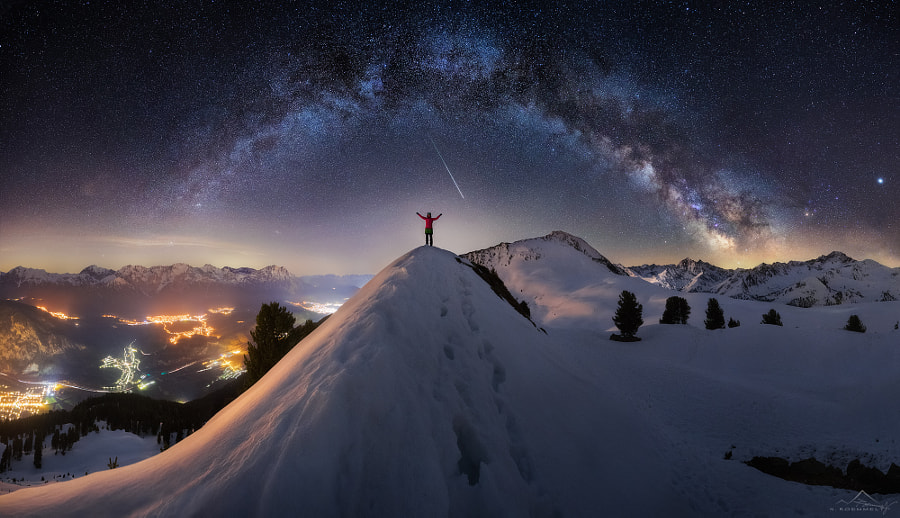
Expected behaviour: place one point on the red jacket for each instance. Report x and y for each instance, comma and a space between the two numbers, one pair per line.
428, 221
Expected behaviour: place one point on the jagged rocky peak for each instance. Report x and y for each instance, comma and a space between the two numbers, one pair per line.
696, 266
96, 272
838, 257
274, 273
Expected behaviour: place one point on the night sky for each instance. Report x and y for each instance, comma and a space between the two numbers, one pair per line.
308, 134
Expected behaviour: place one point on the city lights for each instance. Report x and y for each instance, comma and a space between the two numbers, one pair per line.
128, 365
20, 403
58, 314
231, 363
199, 327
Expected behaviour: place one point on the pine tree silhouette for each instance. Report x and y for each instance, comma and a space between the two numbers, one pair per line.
628, 317
715, 317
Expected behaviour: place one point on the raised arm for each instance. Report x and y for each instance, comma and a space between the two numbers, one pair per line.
421, 216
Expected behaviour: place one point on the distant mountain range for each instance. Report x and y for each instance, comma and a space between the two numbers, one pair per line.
148, 280
176, 287
825, 281
828, 280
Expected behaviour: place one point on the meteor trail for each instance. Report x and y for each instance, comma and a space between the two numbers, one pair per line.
445, 167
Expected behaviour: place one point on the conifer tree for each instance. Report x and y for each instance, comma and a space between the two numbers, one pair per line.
855, 324
676, 312
274, 324
772, 318
39, 451
5, 457
17, 448
715, 317
29, 439
628, 317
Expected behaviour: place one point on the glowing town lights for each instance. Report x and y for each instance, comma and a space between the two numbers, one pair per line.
15, 404
231, 363
167, 321
128, 365
221, 311
58, 314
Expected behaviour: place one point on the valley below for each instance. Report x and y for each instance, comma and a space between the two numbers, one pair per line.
65, 340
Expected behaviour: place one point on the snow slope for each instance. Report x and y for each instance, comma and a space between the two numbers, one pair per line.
427, 395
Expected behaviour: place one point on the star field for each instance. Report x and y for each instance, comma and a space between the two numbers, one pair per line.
308, 134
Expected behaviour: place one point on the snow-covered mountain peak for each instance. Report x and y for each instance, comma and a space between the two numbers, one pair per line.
96, 272
694, 266
834, 257
533, 249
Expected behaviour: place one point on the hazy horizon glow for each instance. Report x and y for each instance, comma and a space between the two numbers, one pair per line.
308, 135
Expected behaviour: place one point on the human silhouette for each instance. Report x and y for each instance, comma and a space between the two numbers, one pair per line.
429, 229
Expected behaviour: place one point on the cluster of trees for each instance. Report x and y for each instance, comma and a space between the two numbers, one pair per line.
629, 317
32, 443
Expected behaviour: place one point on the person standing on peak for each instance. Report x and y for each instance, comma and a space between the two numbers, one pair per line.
429, 229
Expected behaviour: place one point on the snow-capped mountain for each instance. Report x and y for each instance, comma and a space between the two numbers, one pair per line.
147, 280
688, 275
827, 280
504, 254
557, 275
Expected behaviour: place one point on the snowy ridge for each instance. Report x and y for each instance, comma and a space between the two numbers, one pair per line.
825, 281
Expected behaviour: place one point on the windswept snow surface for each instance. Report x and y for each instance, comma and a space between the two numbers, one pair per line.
427, 395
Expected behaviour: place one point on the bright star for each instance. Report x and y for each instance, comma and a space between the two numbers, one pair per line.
880, 181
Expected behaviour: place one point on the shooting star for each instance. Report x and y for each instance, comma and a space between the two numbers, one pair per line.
445, 167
